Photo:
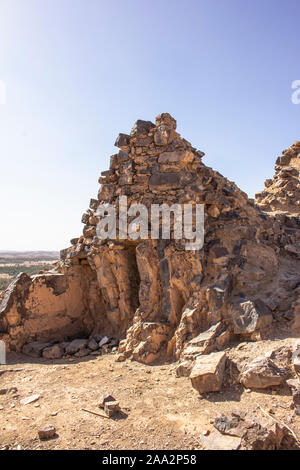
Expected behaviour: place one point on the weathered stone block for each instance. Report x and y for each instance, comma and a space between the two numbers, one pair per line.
163, 181
123, 141
208, 371
141, 127
182, 157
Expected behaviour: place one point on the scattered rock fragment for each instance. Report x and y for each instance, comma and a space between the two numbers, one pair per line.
121, 358
111, 408
105, 398
46, 432
10, 390
31, 399
184, 369
205, 342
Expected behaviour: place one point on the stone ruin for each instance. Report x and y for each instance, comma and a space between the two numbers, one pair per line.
159, 301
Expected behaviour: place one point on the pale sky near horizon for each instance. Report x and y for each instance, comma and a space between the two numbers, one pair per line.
78, 72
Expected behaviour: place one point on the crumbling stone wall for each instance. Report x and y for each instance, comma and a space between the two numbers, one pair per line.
154, 295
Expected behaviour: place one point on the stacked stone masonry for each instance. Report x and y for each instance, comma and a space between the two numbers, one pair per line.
160, 300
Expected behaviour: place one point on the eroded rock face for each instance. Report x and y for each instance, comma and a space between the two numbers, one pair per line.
44, 308
162, 300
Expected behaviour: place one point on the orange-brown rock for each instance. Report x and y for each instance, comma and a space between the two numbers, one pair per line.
153, 294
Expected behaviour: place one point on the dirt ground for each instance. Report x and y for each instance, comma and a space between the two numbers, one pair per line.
159, 411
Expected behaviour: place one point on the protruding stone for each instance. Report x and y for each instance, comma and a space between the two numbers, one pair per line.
164, 181
31, 399
123, 141
141, 127
94, 204
165, 119
182, 157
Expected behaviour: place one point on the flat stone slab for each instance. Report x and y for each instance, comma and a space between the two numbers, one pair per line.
217, 441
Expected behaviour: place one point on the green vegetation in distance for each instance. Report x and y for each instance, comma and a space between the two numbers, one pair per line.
13, 271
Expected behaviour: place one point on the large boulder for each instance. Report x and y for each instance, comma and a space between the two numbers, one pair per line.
262, 373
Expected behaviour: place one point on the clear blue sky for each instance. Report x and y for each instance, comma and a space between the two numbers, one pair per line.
78, 72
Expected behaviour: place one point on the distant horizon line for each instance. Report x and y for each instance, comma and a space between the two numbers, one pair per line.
29, 251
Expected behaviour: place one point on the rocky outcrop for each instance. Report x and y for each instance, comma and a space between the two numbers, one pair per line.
159, 297
282, 193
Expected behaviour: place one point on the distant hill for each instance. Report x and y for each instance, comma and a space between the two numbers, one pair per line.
21, 256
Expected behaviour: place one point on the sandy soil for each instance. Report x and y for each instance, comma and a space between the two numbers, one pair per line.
159, 411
